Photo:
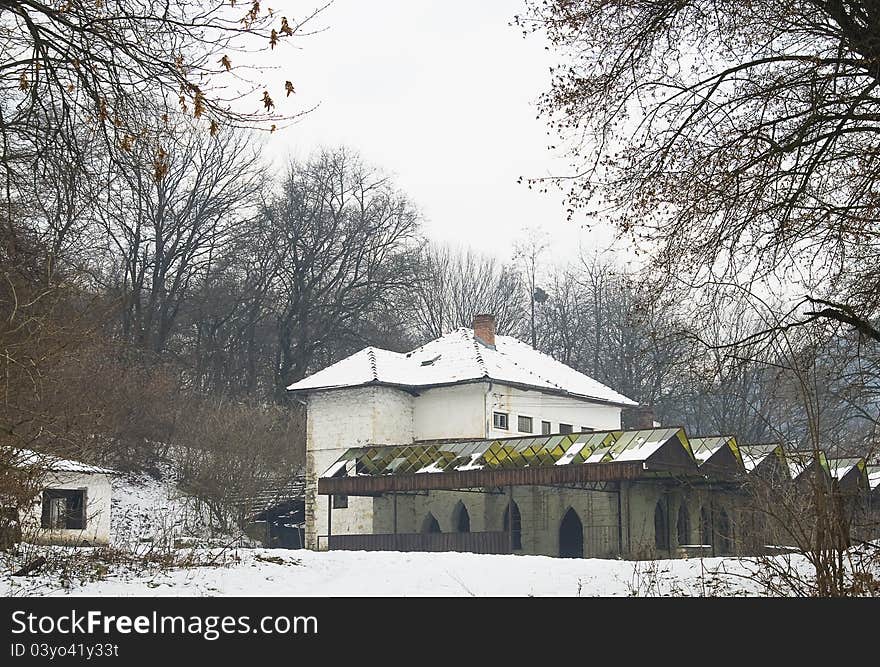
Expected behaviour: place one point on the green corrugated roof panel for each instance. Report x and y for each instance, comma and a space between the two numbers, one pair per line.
567, 449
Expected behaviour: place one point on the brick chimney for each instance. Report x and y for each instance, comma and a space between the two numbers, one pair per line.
484, 328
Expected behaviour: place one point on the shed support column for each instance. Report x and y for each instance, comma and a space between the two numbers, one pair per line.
627, 521
711, 519
619, 521
510, 519
394, 501
329, 520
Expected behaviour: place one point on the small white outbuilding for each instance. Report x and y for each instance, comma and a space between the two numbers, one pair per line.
72, 505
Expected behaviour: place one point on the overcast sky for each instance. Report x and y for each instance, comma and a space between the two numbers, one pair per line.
442, 95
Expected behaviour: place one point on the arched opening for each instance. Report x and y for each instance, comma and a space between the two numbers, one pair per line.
516, 528
661, 526
461, 519
705, 527
683, 525
725, 535
571, 536
430, 524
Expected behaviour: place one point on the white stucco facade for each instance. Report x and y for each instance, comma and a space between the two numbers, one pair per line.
541, 406
336, 421
97, 491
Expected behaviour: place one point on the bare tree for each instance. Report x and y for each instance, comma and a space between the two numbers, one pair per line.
345, 244
454, 284
114, 71
732, 139
166, 232
597, 319
528, 252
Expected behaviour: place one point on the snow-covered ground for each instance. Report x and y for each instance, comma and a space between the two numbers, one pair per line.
277, 572
150, 516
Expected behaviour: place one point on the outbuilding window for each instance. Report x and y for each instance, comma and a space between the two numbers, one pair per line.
545, 428
565, 428
340, 501
64, 509
524, 424
499, 420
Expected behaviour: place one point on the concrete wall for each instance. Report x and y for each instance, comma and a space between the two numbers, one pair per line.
98, 492
337, 421
640, 499
546, 407
543, 508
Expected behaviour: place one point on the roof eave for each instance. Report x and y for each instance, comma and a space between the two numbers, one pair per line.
415, 389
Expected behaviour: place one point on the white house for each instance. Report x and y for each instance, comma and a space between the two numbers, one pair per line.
468, 384
72, 500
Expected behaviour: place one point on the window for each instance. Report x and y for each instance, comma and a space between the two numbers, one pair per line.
340, 501
545, 428
565, 428
586, 429
499, 420
524, 424
64, 509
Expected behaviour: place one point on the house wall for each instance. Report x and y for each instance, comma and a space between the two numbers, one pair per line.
337, 421
98, 494
546, 407
457, 411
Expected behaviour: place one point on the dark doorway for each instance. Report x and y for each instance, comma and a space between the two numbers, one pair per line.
430, 524
661, 526
706, 527
571, 536
725, 535
461, 519
684, 524
516, 529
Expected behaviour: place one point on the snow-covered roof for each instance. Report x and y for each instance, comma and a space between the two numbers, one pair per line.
754, 455
461, 357
840, 468
873, 476
27, 458
801, 461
